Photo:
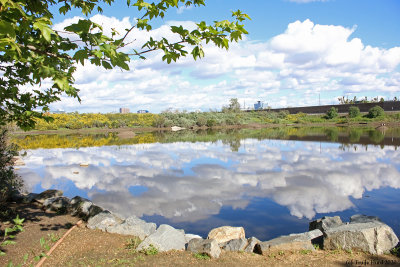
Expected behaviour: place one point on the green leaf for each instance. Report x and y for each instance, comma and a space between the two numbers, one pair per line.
80, 56
7, 28
44, 29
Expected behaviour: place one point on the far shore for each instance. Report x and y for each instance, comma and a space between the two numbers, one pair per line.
374, 124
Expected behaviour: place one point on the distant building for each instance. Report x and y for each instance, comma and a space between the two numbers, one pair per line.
258, 105
142, 111
124, 110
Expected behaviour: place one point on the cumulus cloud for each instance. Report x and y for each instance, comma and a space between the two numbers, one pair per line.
186, 186
284, 71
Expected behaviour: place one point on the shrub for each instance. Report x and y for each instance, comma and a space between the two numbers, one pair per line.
375, 112
354, 112
331, 113
9, 180
211, 122
201, 121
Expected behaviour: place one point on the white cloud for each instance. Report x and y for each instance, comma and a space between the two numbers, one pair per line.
306, 58
293, 177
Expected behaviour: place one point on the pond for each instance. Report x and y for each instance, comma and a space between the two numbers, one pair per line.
270, 181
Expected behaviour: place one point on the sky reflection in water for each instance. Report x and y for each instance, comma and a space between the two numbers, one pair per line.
271, 187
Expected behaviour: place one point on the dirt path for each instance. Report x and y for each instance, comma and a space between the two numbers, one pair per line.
84, 247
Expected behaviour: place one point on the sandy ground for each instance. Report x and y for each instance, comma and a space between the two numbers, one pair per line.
84, 247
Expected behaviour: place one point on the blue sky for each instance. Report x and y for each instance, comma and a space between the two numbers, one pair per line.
296, 51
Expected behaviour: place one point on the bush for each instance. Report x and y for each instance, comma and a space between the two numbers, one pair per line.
211, 122
9, 180
354, 112
375, 112
331, 113
201, 121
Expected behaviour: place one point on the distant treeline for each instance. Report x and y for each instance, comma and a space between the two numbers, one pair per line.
196, 119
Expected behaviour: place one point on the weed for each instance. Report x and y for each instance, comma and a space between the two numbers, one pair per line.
7, 238
305, 251
151, 250
202, 256
316, 246
133, 243
271, 256
281, 253
53, 237
396, 251
349, 251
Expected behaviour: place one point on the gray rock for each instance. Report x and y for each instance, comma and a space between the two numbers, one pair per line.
359, 218
47, 194
189, 237
94, 210
204, 246
80, 206
251, 243
373, 237
235, 245
325, 223
226, 233
30, 197
133, 226
57, 204
103, 220
164, 239
302, 241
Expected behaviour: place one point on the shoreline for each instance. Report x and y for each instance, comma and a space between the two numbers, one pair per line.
194, 128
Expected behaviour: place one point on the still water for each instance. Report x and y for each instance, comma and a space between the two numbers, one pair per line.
268, 181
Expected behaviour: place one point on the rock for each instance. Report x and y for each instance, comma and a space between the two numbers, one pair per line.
94, 210
189, 237
47, 194
251, 243
358, 218
176, 128
164, 239
80, 206
133, 226
235, 245
302, 241
373, 237
57, 204
226, 233
325, 223
30, 197
206, 246
103, 220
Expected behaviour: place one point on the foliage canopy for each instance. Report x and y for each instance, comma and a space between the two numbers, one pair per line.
33, 54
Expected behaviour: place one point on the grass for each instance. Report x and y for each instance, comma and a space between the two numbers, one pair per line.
305, 251
201, 256
150, 250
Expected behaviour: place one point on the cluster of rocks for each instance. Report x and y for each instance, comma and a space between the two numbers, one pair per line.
364, 233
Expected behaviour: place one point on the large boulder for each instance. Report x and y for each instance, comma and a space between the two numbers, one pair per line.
57, 204
234, 245
359, 218
373, 237
47, 194
80, 206
103, 220
133, 226
251, 243
226, 233
209, 247
164, 239
189, 237
325, 223
302, 241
